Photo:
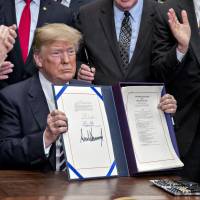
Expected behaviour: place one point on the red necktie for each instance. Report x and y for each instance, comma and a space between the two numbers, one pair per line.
24, 29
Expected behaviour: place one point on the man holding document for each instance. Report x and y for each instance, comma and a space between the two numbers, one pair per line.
30, 125
28, 130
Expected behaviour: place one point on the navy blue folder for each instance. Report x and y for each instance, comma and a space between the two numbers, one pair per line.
117, 142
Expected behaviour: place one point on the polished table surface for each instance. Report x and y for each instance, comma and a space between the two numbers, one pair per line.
23, 185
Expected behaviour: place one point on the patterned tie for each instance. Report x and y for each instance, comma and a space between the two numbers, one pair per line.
125, 39
24, 29
60, 156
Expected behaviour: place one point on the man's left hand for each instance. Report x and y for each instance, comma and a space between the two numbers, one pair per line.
168, 104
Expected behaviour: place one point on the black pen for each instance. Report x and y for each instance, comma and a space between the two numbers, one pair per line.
87, 59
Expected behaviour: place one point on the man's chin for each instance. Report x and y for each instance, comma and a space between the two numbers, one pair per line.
64, 80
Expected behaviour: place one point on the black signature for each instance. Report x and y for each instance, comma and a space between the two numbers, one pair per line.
87, 136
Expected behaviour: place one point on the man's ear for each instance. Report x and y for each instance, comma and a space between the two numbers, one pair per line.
38, 59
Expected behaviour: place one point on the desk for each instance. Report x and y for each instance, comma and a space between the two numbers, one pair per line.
23, 185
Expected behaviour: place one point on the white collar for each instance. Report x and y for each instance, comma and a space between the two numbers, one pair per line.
48, 91
134, 11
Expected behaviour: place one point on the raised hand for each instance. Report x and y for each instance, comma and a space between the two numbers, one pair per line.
181, 31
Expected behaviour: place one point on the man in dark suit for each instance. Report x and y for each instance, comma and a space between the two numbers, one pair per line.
42, 11
100, 24
177, 62
29, 123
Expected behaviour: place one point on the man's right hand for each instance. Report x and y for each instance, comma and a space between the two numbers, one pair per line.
57, 124
85, 73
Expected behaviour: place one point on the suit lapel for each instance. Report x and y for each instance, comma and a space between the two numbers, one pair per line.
40, 110
38, 102
10, 16
143, 35
107, 21
195, 37
44, 10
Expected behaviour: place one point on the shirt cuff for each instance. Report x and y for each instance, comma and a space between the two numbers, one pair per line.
179, 55
46, 149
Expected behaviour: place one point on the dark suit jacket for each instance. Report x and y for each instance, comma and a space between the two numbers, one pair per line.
182, 79
50, 12
76, 4
24, 111
96, 22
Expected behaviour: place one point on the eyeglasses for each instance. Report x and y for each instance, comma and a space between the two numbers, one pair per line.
60, 53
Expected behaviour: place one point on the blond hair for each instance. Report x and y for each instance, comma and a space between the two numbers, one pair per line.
50, 33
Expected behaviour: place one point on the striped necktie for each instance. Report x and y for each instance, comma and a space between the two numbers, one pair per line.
24, 29
60, 156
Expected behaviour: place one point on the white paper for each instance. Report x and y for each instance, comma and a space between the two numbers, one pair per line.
148, 127
88, 142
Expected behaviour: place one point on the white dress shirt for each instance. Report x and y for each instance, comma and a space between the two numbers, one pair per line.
135, 13
197, 10
34, 7
48, 92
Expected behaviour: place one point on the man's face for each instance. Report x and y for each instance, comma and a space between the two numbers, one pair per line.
57, 62
125, 4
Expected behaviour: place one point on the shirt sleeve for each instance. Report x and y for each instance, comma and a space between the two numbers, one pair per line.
179, 55
46, 149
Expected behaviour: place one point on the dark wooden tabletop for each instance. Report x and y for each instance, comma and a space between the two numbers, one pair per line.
23, 185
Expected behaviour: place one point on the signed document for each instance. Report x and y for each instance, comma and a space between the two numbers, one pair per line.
150, 136
87, 144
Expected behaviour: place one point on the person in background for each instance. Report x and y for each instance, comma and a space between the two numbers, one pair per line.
28, 15
117, 41
103, 50
176, 61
